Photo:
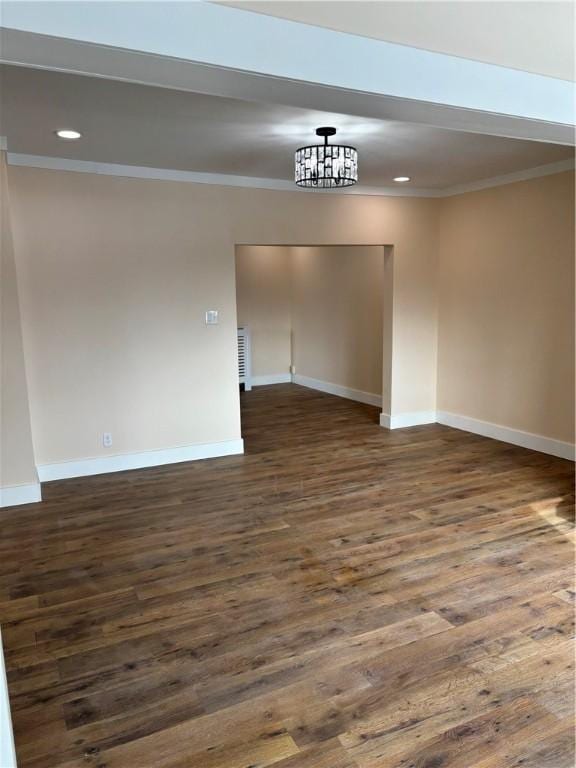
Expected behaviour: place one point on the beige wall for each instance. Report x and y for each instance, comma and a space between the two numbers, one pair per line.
388, 330
409, 224
338, 314
115, 277
17, 466
115, 274
318, 308
506, 299
264, 304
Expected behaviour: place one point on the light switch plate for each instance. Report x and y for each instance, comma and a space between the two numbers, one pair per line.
212, 317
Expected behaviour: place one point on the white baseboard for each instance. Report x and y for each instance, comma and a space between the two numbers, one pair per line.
508, 435
7, 750
400, 420
103, 464
484, 428
336, 389
272, 378
14, 495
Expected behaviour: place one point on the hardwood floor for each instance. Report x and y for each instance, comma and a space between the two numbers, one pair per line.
339, 597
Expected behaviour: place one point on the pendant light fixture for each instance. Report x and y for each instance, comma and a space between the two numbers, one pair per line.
325, 166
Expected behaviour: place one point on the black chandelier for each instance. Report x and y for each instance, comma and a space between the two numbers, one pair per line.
323, 166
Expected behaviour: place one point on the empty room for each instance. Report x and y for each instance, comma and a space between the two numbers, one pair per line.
287, 367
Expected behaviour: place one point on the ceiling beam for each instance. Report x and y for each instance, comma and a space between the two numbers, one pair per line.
229, 52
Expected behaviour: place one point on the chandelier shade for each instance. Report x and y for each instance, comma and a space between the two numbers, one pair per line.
325, 166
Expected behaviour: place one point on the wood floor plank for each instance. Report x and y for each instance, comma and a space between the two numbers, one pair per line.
341, 596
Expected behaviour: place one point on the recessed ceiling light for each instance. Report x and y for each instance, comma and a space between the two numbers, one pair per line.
402, 179
67, 134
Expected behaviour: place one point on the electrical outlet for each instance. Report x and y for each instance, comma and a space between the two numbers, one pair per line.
107, 439
212, 317
292, 369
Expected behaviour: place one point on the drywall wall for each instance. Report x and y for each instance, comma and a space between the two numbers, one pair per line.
17, 467
116, 275
506, 327
337, 315
264, 304
409, 224
319, 308
388, 331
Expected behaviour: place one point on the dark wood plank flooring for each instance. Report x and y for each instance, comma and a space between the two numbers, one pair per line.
339, 597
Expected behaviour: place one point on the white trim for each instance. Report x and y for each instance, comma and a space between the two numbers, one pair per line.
401, 420
385, 420
485, 428
7, 749
336, 389
510, 178
272, 378
196, 177
15, 495
509, 435
121, 462
280, 185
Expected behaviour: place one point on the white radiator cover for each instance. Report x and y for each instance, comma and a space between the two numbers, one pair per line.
244, 358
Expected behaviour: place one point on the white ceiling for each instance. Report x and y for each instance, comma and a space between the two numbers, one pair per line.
142, 125
534, 35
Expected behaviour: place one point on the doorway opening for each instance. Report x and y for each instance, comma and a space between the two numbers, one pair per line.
316, 316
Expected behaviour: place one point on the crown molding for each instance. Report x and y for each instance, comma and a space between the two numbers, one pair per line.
195, 177
279, 185
510, 178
